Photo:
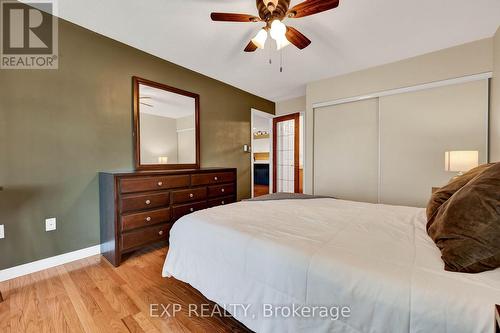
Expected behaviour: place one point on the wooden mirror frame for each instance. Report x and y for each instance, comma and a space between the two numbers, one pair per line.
136, 133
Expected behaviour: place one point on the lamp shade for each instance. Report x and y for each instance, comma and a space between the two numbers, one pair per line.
278, 33
460, 161
260, 39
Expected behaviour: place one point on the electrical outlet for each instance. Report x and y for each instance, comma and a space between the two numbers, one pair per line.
50, 224
2, 231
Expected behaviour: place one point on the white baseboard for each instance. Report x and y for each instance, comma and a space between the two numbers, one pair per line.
40, 265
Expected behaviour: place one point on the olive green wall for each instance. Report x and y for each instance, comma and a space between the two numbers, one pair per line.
58, 128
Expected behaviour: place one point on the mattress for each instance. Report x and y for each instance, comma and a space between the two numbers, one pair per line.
259, 258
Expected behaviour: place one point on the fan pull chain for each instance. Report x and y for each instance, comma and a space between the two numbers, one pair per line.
281, 61
270, 56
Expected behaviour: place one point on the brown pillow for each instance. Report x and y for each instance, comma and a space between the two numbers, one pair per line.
444, 193
467, 226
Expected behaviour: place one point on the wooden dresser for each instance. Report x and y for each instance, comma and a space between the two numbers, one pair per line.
139, 208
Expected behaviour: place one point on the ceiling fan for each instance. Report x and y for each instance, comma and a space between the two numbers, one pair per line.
272, 13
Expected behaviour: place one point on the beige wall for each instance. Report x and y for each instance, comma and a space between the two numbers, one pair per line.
495, 102
186, 140
293, 105
463, 60
158, 138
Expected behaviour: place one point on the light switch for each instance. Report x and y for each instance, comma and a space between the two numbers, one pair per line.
2, 231
50, 224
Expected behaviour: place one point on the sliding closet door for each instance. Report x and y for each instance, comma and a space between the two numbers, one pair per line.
346, 151
416, 129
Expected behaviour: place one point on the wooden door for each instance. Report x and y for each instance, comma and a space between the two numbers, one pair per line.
286, 145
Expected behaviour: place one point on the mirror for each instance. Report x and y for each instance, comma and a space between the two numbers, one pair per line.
166, 127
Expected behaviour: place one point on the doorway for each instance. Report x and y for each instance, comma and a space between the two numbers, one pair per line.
281, 139
261, 161
287, 139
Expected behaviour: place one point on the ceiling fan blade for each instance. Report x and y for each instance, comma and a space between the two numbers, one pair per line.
297, 38
232, 17
311, 7
250, 47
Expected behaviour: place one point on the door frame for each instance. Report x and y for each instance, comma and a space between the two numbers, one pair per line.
296, 118
255, 112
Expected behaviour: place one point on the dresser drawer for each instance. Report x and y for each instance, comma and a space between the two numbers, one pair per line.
142, 184
144, 201
137, 220
134, 239
220, 190
212, 178
181, 210
194, 194
220, 201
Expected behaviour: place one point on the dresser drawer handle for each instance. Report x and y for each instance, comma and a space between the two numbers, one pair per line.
160, 184
191, 209
160, 233
222, 190
191, 195
148, 219
222, 202
216, 178
148, 202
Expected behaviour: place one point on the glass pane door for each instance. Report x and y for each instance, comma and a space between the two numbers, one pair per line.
286, 153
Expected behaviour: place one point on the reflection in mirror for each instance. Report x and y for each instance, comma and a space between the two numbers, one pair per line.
167, 127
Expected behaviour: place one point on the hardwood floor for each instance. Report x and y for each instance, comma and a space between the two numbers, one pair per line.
259, 190
90, 295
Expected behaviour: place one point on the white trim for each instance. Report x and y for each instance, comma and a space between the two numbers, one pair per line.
313, 152
436, 84
379, 137
488, 115
40, 265
185, 130
304, 145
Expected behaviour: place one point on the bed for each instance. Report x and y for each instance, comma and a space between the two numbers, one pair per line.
375, 259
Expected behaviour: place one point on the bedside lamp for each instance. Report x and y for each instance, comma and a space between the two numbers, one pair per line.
461, 161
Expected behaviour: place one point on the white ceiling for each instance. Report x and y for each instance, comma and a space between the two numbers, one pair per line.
164, 103
357, 35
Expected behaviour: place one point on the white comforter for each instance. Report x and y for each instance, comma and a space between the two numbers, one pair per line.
376, 259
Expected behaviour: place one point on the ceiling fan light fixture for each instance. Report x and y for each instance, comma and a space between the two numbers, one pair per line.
271, 13
260, 39
278, 29
278, 33
282, 43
